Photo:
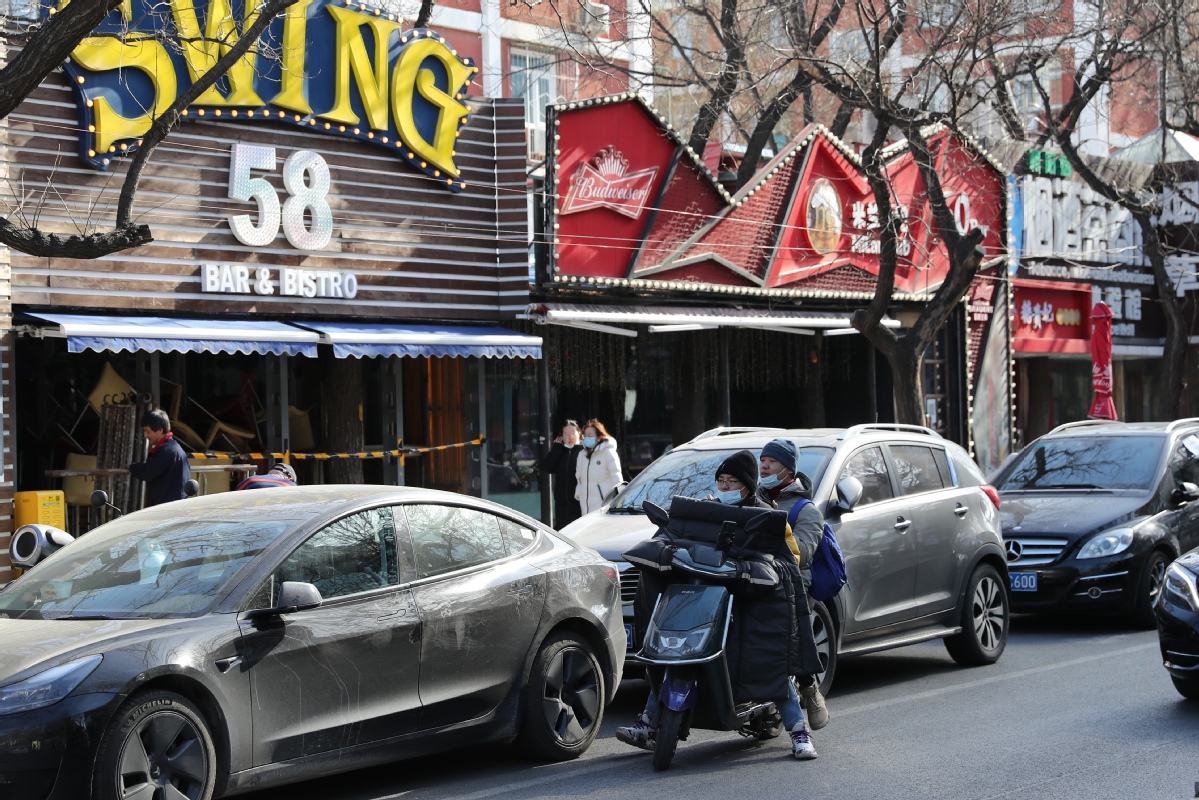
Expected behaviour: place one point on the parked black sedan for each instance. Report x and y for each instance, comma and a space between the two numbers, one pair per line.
1092, 513
1178, 624
236, 641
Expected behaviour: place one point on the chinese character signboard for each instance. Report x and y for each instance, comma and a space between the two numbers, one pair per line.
1051, 317
631, 202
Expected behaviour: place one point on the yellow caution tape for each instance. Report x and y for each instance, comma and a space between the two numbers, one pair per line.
400, 453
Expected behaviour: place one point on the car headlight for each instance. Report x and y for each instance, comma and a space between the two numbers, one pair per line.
1108, 543
1180, 587
46, 688
678, 644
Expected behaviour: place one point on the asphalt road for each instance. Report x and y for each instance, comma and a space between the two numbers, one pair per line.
1074, 709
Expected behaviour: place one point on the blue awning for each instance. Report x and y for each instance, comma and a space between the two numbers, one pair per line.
369, 339
175, 335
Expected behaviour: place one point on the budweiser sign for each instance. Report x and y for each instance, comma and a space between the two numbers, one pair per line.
605, 182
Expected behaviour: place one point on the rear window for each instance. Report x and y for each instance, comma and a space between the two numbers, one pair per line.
692, 473
1086, 462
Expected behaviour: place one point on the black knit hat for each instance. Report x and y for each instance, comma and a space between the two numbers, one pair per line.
743, 466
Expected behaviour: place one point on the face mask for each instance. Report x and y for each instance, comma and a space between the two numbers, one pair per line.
589, 442
769, 482
729, 498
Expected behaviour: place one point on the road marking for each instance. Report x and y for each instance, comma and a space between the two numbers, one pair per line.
841, 712
507, 788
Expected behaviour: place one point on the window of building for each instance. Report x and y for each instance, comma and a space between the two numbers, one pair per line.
533, 77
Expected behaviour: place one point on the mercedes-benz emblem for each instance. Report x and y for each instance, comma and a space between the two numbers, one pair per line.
1014, 549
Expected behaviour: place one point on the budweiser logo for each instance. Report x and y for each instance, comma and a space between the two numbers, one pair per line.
603, 183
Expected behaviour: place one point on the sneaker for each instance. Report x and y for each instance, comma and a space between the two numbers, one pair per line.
801, 745
813, 702
639, 734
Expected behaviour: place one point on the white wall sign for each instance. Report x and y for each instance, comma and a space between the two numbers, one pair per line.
306, 180
1067, 219
285, 281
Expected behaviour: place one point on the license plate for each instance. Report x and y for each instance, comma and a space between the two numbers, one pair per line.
1023, 581
628, 635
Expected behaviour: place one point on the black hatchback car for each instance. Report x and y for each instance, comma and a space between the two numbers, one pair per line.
1093, 512
223, 643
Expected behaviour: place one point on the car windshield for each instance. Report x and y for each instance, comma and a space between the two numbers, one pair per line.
692, 473
135, 568
1090, 462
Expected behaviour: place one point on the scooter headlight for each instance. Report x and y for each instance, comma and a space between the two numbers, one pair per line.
677, 644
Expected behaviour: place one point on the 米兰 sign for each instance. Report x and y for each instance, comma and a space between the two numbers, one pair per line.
339, 69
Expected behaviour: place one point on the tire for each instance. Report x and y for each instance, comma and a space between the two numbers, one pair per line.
826, 645
985, 619
564, 700
1153, 574
155, 740
1187, 687
669, 723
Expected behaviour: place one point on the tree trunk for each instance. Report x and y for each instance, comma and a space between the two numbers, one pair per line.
905, 359
1174, 354
341, 400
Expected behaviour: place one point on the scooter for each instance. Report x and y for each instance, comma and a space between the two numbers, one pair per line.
687, 635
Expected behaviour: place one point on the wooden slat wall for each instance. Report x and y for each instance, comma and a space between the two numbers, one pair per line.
418, 250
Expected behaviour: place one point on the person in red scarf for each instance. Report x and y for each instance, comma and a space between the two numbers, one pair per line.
165, 469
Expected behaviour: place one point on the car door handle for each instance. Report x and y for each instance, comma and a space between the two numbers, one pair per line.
226, 664
961, 510
902, 525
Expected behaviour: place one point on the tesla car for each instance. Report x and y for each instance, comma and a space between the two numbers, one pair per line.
915, 518
247, 639
1094, 511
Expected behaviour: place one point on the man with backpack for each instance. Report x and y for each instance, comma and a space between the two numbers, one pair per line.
783, 486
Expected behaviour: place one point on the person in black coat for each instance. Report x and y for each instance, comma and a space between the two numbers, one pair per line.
560, 462
165, 469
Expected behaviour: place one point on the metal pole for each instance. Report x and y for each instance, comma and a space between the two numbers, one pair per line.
547, 436
724, 388
155, 381
483, 427
398, 367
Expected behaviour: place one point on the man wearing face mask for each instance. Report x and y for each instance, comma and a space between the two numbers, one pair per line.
782, 485
737, 481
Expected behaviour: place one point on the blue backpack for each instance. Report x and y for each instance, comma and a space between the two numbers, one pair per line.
828, 564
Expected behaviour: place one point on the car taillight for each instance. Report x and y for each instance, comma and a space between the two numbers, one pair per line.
990, 492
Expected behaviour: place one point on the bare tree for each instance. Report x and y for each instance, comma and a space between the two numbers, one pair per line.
728, 70
43, 50
1109, 41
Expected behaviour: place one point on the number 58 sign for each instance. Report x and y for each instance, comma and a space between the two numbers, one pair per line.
306, 180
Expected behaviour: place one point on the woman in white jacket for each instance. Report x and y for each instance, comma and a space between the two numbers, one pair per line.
597, 469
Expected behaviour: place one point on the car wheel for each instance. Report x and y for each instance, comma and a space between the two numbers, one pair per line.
1153, 574
984, 620
1187, 687
564, 701
157, 746
826, 645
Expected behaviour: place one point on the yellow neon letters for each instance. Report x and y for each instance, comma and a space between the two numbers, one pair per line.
352, 58
101, 53
408, 73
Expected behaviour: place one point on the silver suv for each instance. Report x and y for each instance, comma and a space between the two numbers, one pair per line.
914, 516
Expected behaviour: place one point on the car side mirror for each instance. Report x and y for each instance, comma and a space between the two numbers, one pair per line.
293, 596
656, 514
849, 494
1186, 492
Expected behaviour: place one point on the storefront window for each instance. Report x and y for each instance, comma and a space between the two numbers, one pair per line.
513, 446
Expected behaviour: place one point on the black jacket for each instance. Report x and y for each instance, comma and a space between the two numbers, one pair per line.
165, 471
771, 635
560, 462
